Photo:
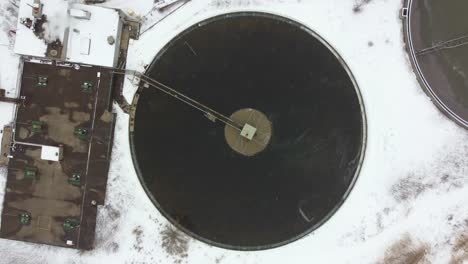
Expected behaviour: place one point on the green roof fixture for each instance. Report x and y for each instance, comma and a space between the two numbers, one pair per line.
24, 218
87, 87
70, 224
30, 173
42, 81
37, 126
75, 179
81, 133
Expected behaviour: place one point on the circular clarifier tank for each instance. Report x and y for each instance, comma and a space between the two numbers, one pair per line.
297, 153
436, 34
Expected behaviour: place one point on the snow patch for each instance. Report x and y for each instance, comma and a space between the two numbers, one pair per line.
57, 19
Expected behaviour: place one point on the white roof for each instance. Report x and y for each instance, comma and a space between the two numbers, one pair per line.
26, 42
86, 40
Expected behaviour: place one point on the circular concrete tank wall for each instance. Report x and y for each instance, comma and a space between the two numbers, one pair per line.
306, 108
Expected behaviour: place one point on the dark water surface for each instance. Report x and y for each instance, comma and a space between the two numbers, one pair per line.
249, 60
433, 24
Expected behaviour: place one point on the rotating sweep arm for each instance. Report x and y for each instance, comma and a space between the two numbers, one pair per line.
208, 112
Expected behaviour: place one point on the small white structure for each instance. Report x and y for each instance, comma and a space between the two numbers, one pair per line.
85, 46
51, 153
164, 3
79, 13
83, 30
248, 131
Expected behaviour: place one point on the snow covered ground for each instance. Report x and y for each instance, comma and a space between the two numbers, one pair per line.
409, 205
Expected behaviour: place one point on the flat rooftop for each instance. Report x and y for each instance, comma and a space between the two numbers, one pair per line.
85, 32
67, 108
